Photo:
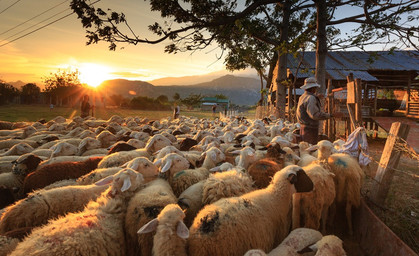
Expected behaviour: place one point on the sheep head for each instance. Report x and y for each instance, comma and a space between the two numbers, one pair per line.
25, 164
87, 144
173, 162
172, 216
63, 149
157, 142
143, 166
296, 176
123, 182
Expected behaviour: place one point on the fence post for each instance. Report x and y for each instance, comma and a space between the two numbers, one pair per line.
389, 160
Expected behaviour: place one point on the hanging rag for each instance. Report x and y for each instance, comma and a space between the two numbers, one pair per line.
357, 146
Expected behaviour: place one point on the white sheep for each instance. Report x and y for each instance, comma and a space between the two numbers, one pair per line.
314, 206
226, 184
154, 144
185, 178
296, 241
97, 175
145, 167
305, 157
106, 138
144, 206
191, 201
7, 244
42, 205
63, 149
171, 232
98, 229
18, 149
327, 246
259, 219
87, 144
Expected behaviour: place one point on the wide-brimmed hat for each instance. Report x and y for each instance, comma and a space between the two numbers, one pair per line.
310, 83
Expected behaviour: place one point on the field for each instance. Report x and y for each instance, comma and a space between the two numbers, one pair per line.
400, 213
14, 113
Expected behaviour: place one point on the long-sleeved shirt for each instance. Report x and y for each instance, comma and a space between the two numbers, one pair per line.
309, 110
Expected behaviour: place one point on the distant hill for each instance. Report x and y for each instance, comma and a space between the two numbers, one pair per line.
240, 90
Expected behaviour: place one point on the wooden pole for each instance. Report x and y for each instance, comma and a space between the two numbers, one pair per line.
330, 122
389, 160
358, 101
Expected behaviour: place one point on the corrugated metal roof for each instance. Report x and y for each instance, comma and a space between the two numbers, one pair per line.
337, 74
360, 61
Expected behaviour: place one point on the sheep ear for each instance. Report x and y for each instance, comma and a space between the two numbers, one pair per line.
310, 248
104, 181
301, 181
236, 152
126, 185
133, 165
182, 230
149, 227
157, 152
125, 165
158, 162
166, 166
312, 148
215, 169
297, 158
150, 144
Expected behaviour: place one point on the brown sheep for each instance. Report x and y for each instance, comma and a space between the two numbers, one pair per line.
49, 174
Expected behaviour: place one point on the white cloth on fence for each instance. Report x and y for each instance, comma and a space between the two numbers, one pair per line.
357, 140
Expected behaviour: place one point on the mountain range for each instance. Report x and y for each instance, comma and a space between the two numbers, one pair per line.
240, 90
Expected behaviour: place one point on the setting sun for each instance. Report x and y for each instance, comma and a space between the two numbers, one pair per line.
93, 74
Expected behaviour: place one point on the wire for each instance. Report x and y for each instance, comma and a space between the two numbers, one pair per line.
46, 25
36, 16
10, 6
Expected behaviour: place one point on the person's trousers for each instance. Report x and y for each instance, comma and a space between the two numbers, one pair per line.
309, 134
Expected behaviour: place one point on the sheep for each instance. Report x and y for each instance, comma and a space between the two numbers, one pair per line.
145, 167
42, 205
106, 138
97, 175
63, 149
97, 230
120, 146
191, 201
59, 171
171, 232
7, 144
296, 241
173, 163
314, 205
144, 206
88, 144
247, 156
185, 178
60, 159
74, 141
348, 178
232, 226
18, 149
226, 184
155, 143
305, 157
290, 157
7, 245
226, 166
327, 246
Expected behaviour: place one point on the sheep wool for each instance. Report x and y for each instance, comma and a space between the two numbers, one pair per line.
232, 226
226, 184
36, 209
171, 232
97, 230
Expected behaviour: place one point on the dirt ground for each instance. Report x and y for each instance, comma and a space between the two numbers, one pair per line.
401, 210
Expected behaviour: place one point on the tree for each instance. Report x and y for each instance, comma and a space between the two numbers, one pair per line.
163, 99
221, 97
64, 86
30, 93
117, 100
7, 93
193, 100
176, 97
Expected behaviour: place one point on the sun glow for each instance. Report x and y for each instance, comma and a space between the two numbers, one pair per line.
93, 74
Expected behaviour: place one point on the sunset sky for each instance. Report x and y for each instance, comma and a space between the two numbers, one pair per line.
63, 44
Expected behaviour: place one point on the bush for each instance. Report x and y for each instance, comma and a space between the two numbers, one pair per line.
146, 103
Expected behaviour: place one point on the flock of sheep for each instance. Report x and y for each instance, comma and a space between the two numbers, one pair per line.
189, 186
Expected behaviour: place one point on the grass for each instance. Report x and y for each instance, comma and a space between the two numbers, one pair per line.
31, 113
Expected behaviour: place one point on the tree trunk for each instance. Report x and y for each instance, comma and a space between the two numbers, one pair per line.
282, 62
321, 50
262, 92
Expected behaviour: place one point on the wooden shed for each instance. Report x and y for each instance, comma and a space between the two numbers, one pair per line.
378, 70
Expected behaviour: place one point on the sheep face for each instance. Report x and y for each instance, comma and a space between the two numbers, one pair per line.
63, 149
325, 149
87, 144
215, 154
136, 143
86, 134
25, 164
20, 149
296, 176
173, 162
126, 180
145, 167
167, 150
